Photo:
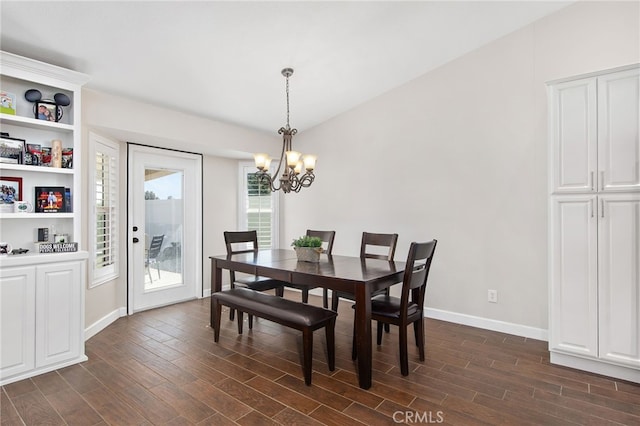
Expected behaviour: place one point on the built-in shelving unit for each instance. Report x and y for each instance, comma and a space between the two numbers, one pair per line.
41, 295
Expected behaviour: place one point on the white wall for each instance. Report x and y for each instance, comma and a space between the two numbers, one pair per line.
460, 155
125, 120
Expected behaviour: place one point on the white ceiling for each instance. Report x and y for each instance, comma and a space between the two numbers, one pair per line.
223, 59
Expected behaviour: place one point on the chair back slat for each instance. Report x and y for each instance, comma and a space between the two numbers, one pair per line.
326, 237
155, 246
241, 241
381, 240
416, 273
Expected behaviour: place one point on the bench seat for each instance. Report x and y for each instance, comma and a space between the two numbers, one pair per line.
299, 316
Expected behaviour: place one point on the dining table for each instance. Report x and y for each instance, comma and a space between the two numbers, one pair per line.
355, 275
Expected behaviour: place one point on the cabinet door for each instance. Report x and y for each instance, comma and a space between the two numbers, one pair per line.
59, 310
17, 320
619, 278
573, 134
573, 305
618, 131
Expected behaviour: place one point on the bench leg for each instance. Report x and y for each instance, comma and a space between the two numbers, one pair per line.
217, 316
250, 322
307, 349
331, 344
240, 319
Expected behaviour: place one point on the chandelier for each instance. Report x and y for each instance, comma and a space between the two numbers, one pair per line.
291, 180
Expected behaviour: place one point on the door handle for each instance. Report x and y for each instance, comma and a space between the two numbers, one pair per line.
136, 240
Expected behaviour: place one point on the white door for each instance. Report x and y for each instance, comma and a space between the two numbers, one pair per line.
574, 275
164, 227
619, 278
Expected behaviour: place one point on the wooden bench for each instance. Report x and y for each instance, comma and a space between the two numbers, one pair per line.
299, 316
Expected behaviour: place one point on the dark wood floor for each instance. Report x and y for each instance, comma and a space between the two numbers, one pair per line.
162, 367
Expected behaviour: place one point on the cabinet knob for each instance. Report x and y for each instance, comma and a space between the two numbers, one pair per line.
136, 240
135, 228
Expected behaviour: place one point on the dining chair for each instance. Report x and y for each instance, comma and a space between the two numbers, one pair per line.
238, 242
151, 254
327, 238
370, 249
408, 308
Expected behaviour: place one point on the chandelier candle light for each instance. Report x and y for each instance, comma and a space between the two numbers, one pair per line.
291, 180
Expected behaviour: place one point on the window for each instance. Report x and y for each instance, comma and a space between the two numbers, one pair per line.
103, 195
258, 207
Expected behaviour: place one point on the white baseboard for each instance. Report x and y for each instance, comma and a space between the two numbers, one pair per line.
488, 324
103, 323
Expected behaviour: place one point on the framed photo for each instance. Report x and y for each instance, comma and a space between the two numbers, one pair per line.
49, 199
7, 103
47, 111
11, 189
11, 150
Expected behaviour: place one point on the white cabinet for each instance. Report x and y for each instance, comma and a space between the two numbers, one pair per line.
58, 304
42, 295
594, 253
42, 317
619, 278
594, 133
17, 320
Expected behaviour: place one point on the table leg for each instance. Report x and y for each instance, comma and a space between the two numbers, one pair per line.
216, 285
363, 334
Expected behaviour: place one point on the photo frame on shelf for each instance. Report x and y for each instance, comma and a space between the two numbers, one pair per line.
49, 199
11, 150
11, 191
47, 111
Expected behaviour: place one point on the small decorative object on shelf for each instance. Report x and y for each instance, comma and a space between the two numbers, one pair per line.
47, 109
308, 249
22, 207
67, 158
49, 199
33, 154
43, 235
57, 247
56, 153
5, 248
11, 150
7, 103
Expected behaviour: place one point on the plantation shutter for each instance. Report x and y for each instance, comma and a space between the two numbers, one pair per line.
106, 243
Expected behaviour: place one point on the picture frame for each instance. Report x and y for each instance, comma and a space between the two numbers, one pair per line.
11, 189
11, 150
47, 111
49, 199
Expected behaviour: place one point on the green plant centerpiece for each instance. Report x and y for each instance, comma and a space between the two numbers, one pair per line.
308, 248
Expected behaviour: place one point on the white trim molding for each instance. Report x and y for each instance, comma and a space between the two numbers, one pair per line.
104, 322
488, 324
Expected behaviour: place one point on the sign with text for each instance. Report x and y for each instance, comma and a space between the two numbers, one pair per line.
57, 247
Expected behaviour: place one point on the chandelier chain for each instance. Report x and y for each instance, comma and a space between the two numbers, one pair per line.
288, 127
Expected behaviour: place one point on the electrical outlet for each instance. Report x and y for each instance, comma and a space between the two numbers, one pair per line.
492, 296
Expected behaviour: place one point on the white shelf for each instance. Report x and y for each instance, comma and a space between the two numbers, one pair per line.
40, 169
35, 215
35, 124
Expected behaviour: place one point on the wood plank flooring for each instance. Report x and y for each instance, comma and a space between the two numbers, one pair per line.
162, 367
